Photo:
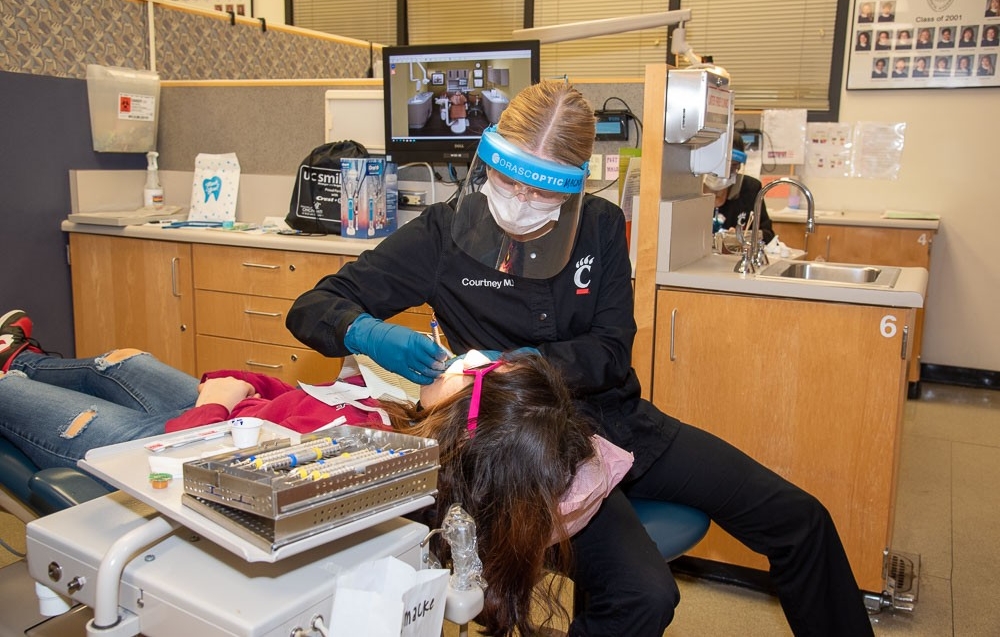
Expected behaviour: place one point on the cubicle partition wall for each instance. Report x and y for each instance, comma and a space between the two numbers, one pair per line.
45, 125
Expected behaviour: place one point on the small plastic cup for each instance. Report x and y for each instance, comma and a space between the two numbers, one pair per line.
246, 432
160, 480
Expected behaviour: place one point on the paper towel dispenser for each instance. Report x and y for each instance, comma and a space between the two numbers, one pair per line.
699, 104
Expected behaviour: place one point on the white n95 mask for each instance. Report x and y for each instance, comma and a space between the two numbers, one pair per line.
515, 217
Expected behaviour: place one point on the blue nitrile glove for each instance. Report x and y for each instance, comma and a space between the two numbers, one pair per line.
396, 348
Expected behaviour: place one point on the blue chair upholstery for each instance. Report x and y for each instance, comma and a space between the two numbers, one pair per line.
61, 487
675, 528
15, 471
47, 490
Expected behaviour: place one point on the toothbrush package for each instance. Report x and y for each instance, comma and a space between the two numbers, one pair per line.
369, 196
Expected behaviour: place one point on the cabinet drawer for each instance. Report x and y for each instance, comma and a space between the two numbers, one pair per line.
249, 318
260, 272
290, 364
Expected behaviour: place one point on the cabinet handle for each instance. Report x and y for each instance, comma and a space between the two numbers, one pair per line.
252, 363
259, 313
828, 238
906, 335
673, 325
173, 276
263, 266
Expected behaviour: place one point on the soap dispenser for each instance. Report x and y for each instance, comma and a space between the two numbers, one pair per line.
152, 194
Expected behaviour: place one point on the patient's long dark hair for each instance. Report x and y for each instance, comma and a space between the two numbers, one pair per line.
509, 475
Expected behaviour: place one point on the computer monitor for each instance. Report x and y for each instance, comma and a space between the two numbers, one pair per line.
439, 98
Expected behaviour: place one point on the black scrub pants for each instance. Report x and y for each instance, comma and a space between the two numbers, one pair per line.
630, 590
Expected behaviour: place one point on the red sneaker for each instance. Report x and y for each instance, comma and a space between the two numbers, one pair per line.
15, 336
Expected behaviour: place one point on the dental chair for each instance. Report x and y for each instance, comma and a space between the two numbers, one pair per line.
675, 528
28, 492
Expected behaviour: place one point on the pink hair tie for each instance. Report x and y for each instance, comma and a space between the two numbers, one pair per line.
477, 391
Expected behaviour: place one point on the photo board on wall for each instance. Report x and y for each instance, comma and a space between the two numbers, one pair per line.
907, 44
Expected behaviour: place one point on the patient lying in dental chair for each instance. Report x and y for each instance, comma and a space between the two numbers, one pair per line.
513, 445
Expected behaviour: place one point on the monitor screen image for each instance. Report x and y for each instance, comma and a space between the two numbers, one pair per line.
439, 98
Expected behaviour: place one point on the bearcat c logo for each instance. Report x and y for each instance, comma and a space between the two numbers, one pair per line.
582, 276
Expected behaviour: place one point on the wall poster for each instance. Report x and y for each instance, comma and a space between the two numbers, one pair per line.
906, 44
244, 8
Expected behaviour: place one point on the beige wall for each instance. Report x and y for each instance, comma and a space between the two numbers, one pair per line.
949, 167
271, 10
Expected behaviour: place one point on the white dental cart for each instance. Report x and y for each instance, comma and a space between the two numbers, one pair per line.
160, 569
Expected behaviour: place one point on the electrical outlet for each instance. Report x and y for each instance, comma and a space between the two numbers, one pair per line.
413, 198
596, 167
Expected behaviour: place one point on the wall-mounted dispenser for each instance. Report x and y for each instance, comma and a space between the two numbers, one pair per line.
699, 115
124, 105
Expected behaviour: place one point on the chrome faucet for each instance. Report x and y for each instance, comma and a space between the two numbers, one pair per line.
753, 249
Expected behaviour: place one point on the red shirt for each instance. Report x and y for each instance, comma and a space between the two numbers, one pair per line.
279, 403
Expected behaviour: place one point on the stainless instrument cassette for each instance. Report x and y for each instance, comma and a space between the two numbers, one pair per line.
277, 493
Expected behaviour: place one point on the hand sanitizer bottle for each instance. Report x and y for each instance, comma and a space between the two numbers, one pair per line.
152, 193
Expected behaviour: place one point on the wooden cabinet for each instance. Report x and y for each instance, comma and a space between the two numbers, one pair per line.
904, 247
813, 390
202, 307
242, 296
133, 293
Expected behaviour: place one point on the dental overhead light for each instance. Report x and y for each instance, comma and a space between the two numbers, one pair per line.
609, 26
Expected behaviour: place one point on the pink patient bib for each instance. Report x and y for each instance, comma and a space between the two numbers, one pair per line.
593, 481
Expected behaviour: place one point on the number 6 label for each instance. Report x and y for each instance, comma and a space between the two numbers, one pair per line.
888, 326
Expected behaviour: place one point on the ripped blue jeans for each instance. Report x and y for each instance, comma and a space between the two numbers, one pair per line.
56, 409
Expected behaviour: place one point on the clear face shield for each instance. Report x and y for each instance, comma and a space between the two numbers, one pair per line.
517, 213
733, 182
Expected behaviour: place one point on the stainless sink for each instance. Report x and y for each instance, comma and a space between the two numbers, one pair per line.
876, 276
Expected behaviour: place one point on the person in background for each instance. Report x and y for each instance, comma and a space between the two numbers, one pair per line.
878, 70
884, 42
963, 66
524, 258
942, 66
990, 36
901, 67
904, 40
866, 12
986, 66
946, 41
735, 195
864, 41
920, 66
887, 12
968, 37
513, 445
925, 38
992, 8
